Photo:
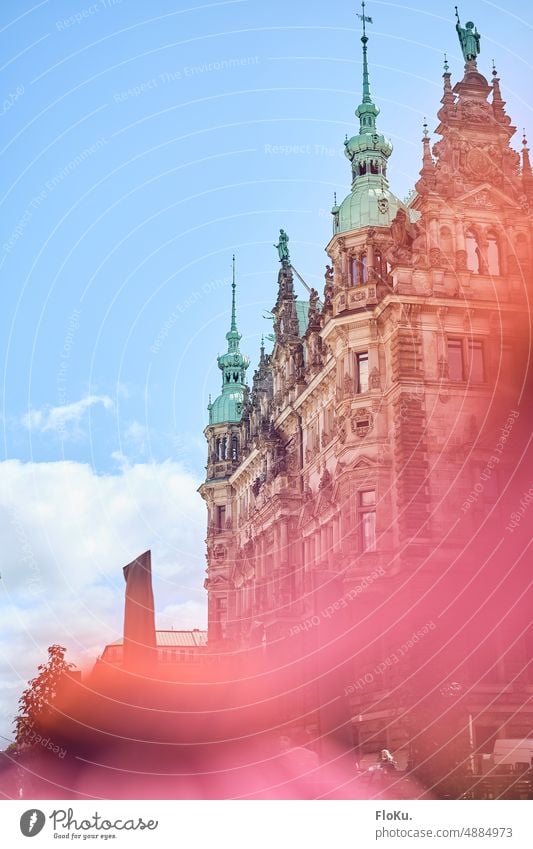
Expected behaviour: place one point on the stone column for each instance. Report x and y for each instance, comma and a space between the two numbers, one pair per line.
370, 262
433, 233
284, 542
336, 535
460, 245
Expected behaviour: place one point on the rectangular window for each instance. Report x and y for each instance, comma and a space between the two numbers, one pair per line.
221, 518
455, 359
476, 361
367, 519
362, 371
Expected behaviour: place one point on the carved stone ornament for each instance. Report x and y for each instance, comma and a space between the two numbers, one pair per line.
444, 369
219, 552
362, 422
480, 165
460, 260
348, 386
341, 429
475, 112
399, 230
482, 199
375, 379
435, 258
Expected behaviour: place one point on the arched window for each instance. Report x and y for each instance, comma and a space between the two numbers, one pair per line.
472, 252
354, 270
362, 168
358, 270
493, 254
374, 167
364, 269
446, 240
219, 449
234, 447
378, 264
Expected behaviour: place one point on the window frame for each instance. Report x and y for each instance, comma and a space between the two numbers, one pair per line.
465, 344
361, 356
364, 510
458, 341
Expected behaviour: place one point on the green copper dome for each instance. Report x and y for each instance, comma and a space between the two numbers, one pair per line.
370, 203
228, 406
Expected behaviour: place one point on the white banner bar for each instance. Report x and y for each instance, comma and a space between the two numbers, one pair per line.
268, 824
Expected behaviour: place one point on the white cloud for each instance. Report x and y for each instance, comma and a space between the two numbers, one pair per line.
136, 434
64, 418
66, 534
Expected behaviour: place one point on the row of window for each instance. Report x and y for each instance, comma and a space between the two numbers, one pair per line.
477, 261
359, 268
466, 361
489, 260
227, 448
175, 656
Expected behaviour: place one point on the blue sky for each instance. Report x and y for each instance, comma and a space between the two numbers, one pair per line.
141, 145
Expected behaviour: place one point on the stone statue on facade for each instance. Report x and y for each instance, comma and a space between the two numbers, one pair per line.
314, 310
283, 247
469, 39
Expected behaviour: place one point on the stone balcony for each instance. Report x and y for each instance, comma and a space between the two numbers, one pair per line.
355, 297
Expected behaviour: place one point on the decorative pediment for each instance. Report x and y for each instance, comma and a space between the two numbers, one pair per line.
363, 463
486, 197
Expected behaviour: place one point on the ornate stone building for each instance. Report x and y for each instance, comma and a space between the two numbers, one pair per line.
366, 446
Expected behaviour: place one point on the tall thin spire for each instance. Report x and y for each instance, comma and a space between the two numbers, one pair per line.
367, 111
233, 287
368, 151
364, 39
233, 336
228, 406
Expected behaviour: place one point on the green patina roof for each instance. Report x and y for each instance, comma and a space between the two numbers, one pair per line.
370, 203
227, 407
302, 314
